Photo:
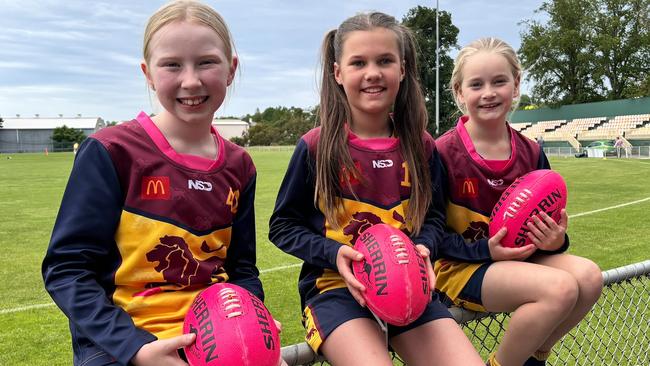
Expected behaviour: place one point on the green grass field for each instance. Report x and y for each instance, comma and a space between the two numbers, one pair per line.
36, 333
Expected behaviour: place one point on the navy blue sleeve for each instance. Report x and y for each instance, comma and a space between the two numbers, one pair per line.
453, 245
543, 163
293, 226
432, 231
78, 267
241, 258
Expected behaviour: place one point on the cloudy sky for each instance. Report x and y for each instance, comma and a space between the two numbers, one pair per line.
82, 57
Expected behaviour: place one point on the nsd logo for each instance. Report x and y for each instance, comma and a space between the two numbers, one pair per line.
199, 185
155, 188
467, 188
382, 163
495, 182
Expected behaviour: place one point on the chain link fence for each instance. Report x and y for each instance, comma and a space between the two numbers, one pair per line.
637, 152
615, 332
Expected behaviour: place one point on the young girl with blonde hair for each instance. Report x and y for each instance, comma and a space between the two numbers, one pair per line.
547, 291
156, 209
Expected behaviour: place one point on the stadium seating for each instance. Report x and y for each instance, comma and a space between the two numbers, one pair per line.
639, 133
588, 129
520, 125
541, 127
618, 126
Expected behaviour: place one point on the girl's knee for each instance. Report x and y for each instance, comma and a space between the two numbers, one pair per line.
562, 291
590, 280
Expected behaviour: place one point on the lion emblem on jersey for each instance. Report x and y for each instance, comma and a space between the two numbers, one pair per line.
178, 265
475, 231
363, 220
360, 222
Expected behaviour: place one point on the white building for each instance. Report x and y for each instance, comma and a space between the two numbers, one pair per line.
34, 134
229, 128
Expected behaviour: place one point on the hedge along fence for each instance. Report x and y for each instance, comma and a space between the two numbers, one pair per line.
615, 332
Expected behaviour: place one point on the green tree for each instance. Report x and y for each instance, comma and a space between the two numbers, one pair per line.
555, 54
621, 46
422, 21
279, 126
64, 137
588, 50
241, 141
524, 101
2, 121
260, 135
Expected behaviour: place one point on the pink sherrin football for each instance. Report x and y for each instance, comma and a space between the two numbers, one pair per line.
394, 274
539, 190
232, 327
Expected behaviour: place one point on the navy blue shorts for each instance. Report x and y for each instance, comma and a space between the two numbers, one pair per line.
469, 296
325, 312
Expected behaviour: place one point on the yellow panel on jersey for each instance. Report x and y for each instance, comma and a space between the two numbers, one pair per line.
329, 280
162, 269
460, 219
313, 337
452, 276
361, 216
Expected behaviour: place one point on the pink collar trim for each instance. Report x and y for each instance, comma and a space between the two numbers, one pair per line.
380, 143
190, 161
469, 146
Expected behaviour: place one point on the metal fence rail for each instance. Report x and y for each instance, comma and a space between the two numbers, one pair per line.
615, 332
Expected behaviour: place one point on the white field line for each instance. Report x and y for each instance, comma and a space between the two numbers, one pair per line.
24, 308
609, 208
281, 268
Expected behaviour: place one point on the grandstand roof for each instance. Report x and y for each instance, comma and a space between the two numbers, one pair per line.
50, 123
610, 108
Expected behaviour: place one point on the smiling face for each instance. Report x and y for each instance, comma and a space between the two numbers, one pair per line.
189, 71
370, 70
488, 87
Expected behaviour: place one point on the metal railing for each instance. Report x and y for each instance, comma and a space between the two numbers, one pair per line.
615, 332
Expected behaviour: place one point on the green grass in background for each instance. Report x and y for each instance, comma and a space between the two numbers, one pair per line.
31, 186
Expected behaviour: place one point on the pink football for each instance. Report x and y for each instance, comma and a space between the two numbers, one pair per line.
539, 190
232, 327
394, 274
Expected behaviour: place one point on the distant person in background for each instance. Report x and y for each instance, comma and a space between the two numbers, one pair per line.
619, 146
75, 147
540, 141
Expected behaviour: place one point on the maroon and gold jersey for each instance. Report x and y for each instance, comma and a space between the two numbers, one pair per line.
142, 229
381, 195
472, 187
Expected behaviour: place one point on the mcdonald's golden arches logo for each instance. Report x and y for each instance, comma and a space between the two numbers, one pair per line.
468, 188
155, 188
